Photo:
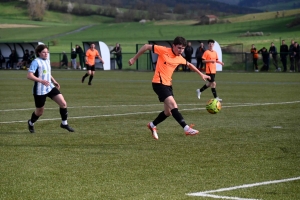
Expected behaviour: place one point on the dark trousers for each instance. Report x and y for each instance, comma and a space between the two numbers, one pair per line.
189, 59
284, 61
199, 63
119, 62
292, 61
255, 63
275, 61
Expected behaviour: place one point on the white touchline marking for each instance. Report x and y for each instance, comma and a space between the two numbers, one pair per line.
150, 112
207, 193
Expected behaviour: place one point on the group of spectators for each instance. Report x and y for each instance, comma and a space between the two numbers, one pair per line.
291, 52
78, 51
13, 60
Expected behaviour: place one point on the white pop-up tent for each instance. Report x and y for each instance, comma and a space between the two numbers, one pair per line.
195, 45
104, 53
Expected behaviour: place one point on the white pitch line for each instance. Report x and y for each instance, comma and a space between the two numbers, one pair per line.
150, 112
207, 193
221, 197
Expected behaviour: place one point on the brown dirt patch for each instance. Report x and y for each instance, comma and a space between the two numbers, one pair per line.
17, 26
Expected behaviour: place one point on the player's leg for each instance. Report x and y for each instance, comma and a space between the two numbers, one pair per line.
39, 110
92, 72
60, 100
88, 72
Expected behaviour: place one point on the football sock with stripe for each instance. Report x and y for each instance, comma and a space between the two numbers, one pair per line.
178, 117
214, 92
203, 88
34, 118
91, 78
161, 117
63, 113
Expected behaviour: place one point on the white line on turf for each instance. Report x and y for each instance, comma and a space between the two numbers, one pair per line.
207, 193
150, 112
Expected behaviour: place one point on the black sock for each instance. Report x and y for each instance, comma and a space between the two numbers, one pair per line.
203, 88
178, 117
63, 113
34, 118
91, 78
160, 118
213, 90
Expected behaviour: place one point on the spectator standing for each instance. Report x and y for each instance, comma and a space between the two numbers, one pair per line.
168, 60
118, 52
199, 53
266, 59
297, 56
284, 51
188, 52
2, 59
45, 86
64, 61
273, 52
31, 57
12, 59
90, 56
73, 58
24, 60
254, 57
291, 55
81, 56
210, 58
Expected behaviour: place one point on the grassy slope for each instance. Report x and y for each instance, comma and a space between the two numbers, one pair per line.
129, 34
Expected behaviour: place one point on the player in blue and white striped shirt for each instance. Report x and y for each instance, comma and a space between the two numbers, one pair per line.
45, 86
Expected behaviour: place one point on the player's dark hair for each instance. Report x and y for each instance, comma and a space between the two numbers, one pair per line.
210, 41
180, 41
39, 49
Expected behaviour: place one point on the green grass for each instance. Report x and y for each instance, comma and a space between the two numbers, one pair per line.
255, 138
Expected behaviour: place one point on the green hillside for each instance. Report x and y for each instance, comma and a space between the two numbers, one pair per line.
55, 29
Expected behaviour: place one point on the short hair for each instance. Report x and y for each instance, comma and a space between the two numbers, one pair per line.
39, 49
210, 41
180, 41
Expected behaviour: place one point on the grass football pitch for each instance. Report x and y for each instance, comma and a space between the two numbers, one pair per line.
250, 150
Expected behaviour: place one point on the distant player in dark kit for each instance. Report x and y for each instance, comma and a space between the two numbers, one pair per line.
45, 86
168, 60
210, 58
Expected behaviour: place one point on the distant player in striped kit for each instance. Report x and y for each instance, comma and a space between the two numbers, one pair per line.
45, 86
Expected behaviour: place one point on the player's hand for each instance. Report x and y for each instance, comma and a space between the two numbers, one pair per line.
131, 61
57, 85
44, 82
205, 77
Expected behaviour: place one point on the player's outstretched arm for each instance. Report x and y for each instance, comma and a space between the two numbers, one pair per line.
192, 67
139, 53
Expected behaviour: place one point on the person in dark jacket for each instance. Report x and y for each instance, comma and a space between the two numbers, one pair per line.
297, 56
81, 55
13, 58
266, 58
64, 61
118, 52
199, 53
273, 52
188, 52
284, 51
291, 55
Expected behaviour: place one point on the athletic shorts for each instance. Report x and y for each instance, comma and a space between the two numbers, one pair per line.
90, 67
162, 91
212, 77
41, 99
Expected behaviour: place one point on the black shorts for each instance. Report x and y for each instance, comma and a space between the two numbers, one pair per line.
162, 91
212, 77
90, 67
41, 99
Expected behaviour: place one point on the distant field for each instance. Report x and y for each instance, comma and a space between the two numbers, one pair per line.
55, 25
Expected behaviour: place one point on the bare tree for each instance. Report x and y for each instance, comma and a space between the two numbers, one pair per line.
37, 9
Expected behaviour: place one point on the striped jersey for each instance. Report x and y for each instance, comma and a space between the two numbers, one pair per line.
41, 68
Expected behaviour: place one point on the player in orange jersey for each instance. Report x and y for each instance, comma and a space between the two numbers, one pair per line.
210, 58
90, 56
168, 60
